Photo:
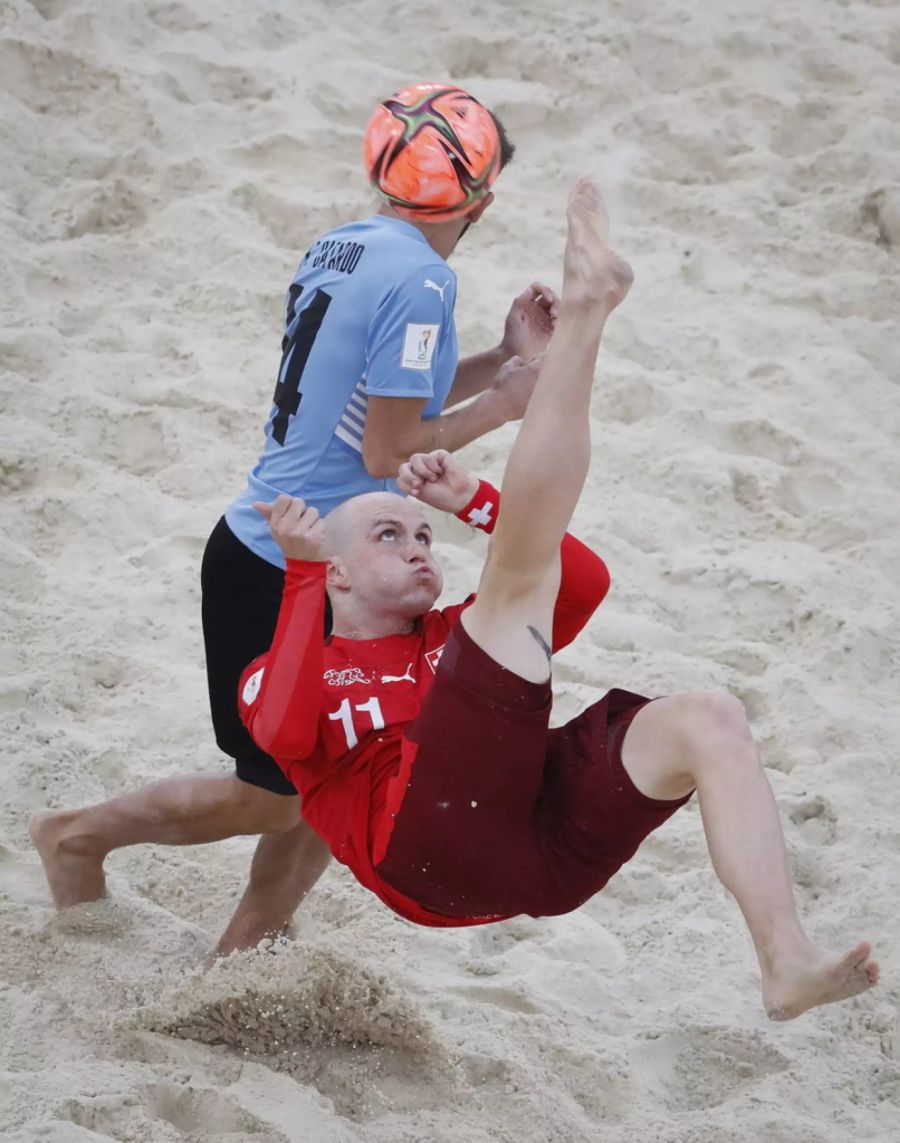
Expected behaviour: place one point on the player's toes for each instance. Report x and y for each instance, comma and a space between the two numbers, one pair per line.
585, 194
586, 204
857, 958
856, 971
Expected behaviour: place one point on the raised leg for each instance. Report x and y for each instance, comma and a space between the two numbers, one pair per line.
704, 741
511, 617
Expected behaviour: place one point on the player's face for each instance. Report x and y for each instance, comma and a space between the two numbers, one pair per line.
391, 565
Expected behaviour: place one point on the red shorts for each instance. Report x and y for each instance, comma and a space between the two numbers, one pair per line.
503, 815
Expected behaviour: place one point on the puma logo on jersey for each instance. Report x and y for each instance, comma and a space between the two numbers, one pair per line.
346, 678
407, 678
429, 285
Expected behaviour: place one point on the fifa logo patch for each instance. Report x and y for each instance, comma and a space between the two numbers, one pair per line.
252, 685
418, 346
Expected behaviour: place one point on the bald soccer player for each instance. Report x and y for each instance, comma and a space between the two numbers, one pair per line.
418, 738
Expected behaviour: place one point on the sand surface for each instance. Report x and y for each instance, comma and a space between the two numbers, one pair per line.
163, 166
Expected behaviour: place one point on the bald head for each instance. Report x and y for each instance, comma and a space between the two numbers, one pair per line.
351, 521
382, 574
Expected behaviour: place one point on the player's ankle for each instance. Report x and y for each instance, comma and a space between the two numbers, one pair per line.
783, 951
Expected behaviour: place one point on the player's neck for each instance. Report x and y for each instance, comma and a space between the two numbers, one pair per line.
442, 237
348, 625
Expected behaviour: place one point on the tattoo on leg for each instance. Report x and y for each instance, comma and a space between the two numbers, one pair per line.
541, 641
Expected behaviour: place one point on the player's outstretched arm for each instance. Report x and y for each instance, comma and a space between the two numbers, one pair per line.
395, 428
279, 694
439, 480
526, 335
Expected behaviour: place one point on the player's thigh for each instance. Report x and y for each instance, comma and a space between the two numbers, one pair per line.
654, 753
512, 618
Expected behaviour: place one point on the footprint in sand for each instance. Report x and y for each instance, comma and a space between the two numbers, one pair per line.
117, 206
495, 940
52, 80
139, 442
192, 79
597, 1081
509, 999
805, 493
175, 17
633, 399
760, 437
470, 56
808, 127
173, 552
697, 1067
201, 1115
815, 818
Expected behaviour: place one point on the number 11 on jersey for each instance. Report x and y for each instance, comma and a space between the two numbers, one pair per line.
344, 715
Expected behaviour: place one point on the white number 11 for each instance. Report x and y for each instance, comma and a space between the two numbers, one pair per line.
344, 715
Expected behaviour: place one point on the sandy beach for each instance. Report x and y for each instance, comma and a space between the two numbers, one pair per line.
164, 168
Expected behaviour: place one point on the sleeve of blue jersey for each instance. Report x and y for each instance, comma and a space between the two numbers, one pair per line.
407, 333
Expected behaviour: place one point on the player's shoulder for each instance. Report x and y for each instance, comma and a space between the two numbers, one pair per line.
429, 280
439, 621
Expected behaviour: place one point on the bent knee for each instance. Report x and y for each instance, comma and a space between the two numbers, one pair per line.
708, 720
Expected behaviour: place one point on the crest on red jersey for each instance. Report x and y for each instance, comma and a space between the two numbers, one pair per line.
345, 678
432, 658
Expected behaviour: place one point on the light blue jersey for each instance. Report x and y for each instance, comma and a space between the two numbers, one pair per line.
370, 310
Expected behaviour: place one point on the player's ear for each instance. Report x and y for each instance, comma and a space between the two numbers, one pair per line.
336, 575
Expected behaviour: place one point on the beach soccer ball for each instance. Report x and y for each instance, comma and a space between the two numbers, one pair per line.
432, 151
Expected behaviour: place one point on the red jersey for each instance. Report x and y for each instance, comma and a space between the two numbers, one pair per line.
332, 711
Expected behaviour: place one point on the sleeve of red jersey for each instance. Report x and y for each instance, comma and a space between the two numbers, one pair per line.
280, 693
584, 579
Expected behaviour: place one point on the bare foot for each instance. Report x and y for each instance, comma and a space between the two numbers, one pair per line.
592, 273
73, 873
818, 979
245, 931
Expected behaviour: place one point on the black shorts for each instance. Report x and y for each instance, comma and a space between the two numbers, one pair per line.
241, 599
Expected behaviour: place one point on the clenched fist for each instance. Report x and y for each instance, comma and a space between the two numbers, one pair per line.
437, 480
297, 528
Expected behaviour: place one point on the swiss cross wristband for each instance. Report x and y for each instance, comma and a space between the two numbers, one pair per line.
481, 511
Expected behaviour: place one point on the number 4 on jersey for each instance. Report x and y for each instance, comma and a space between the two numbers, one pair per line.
295, 350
